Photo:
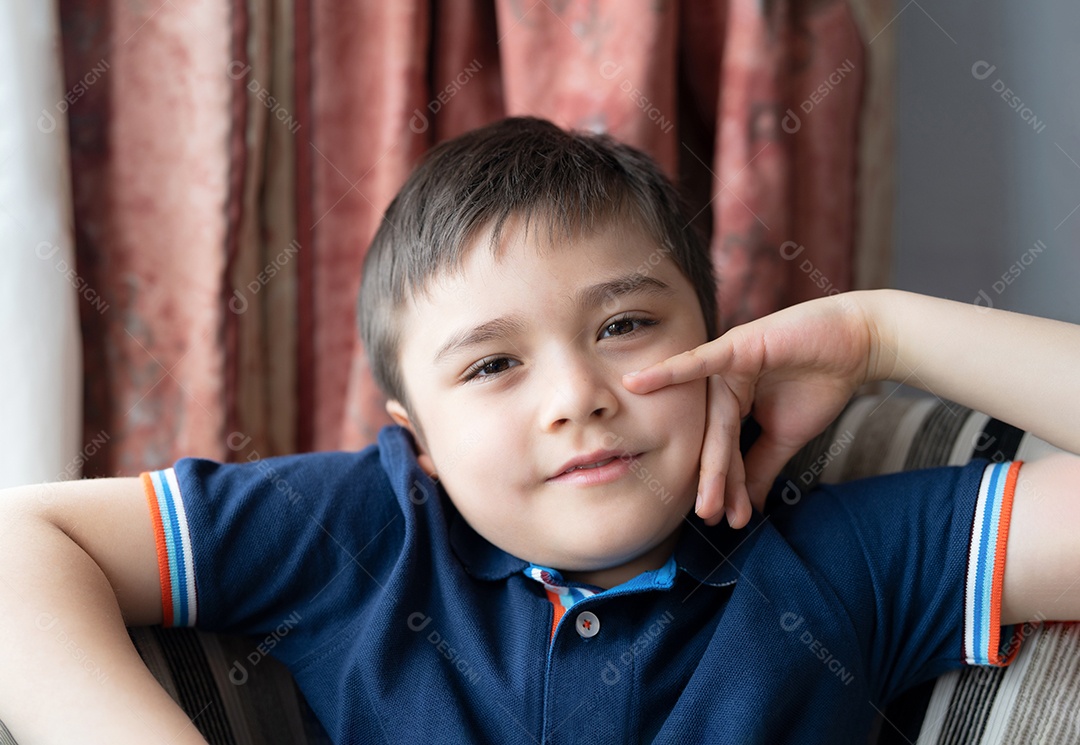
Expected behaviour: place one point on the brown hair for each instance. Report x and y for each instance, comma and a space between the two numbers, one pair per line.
519, 167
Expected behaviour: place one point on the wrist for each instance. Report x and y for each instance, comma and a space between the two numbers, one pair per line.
876, 312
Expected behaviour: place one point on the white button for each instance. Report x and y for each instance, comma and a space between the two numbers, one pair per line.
588, 625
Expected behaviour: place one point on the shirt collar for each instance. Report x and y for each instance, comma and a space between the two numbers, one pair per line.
553, 581
482, 559
715, 555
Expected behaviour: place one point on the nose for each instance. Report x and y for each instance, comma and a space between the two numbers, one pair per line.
581, 391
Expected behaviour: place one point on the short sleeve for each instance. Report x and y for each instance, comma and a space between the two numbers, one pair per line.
916, 560
241, 547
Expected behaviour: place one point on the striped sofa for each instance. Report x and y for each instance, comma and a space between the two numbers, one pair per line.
237, 694
1036, 698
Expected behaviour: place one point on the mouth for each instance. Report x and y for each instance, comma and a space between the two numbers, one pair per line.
595, 468
602, 463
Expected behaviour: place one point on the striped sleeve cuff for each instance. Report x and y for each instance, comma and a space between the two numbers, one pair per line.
173, 541
983, 644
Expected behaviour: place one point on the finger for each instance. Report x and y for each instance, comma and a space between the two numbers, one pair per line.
738, 508
764, 462
695, 364
718, 445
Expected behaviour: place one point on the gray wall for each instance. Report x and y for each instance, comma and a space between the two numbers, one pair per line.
988, 204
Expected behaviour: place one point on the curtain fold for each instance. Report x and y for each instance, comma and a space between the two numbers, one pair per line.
41, 436
232, 167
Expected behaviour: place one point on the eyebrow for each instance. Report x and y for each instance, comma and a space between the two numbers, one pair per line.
589, 297
629, 284
485, 332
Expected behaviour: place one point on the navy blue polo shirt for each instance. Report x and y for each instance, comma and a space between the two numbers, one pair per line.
401, 624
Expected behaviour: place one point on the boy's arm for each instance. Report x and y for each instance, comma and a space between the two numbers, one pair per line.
77, 564
796, 369
1017, 368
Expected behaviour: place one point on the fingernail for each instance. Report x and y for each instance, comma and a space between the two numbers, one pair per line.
697, 504
631, 374
730, 513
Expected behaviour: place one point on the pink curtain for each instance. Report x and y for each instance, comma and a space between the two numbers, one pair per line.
232, 161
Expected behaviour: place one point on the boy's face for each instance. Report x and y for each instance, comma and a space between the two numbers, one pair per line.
513, 367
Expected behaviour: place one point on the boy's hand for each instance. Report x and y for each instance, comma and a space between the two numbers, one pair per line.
794, 370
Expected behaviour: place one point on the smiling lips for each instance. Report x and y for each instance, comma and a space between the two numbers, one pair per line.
600, 467
604, 462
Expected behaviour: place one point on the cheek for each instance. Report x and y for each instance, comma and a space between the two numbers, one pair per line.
684, 414
478, 473
680, 411
475, 449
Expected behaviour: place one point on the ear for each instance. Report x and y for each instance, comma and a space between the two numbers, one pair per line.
401, 417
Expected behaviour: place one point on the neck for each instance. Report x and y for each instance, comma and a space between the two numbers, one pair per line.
607, 578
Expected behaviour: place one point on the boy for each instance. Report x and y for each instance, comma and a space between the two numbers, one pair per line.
532, 508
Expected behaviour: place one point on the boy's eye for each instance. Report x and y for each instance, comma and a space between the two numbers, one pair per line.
489, 367
624, 326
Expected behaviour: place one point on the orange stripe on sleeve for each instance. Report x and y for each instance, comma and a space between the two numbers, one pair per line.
167, 618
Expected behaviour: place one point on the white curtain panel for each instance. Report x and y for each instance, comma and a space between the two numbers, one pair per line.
40, 357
